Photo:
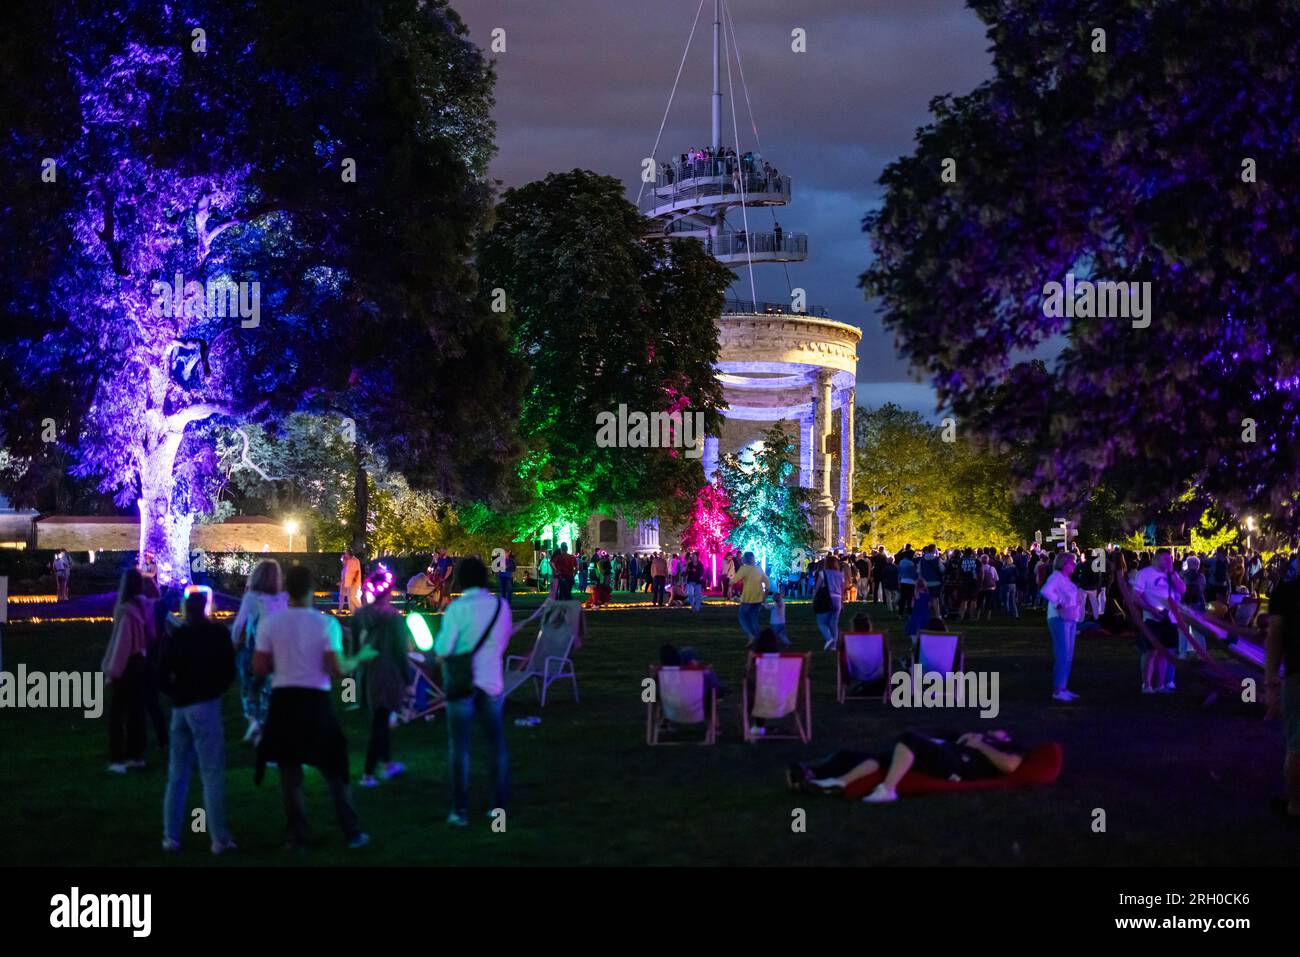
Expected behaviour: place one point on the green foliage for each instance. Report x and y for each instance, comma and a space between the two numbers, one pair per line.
770, 511
601, 316
911, 486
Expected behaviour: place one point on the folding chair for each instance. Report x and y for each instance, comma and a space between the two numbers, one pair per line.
680, 699
939, 651
862, 659
546, 664
425, 697
782, 688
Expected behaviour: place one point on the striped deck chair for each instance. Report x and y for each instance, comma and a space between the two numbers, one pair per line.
546, 664
424, 698
782, 688
680, 699
862, 659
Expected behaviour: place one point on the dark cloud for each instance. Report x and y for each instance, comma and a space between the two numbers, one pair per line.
585, 83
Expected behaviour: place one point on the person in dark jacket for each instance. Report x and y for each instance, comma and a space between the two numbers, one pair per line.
196, 667
384, 679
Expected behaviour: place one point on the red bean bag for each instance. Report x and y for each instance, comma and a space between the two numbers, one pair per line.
1042, 765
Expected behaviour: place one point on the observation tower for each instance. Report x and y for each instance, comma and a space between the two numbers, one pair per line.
779, 362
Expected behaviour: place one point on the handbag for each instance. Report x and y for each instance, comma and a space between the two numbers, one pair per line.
822, 599
458, 670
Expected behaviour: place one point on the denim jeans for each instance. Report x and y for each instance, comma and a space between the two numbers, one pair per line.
829, 623
694, 595
1062, 650
196, 732
749, 618
460, 716
507, 583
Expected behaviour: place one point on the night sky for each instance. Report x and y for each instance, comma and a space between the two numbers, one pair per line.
585, 82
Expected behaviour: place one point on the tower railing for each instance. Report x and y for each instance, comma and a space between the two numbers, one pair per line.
748, 307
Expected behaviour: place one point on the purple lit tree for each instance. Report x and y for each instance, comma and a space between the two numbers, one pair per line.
1121, 142
231, 213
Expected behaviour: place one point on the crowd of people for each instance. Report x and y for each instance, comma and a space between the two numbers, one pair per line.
285, 656
757, 175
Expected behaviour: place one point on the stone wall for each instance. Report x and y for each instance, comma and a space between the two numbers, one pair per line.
81, 534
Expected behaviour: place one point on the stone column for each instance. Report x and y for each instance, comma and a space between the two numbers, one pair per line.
848, 400
710, 457
807, 450
823, 509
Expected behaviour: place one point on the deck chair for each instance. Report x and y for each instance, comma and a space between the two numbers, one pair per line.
547, 663
680, 699
862, 659
425, 697
782, 688
939, 651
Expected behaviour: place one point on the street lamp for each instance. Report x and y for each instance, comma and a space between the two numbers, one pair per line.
291, 526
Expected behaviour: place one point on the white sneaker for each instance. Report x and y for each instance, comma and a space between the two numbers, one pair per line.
392, 770
756, 732
1147, 689
368, 781
222, 847
827, 784
881, 795
117, 767
1062, 696
170, 846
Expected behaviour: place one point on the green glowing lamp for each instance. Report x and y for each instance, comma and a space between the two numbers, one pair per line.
419, 629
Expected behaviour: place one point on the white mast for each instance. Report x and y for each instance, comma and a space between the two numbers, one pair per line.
717, 85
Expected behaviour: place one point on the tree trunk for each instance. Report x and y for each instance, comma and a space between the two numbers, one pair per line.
361, 504
164, 531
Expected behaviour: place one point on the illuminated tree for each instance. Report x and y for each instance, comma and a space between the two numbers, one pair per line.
1156, 151
325, 167
770, 510
602, 316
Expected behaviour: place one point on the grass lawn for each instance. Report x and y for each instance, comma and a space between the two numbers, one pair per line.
1179, 784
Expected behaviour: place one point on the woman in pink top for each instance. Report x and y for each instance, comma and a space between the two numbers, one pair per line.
126, 669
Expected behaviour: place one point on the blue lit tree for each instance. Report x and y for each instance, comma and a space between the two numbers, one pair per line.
336, 160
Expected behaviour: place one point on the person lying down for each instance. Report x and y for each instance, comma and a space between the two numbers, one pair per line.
972, 756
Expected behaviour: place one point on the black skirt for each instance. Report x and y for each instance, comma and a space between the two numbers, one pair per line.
301, 728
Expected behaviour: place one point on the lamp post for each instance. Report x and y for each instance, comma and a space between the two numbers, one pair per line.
291, 526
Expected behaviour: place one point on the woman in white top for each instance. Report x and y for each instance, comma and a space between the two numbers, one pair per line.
262, 596
1064, 612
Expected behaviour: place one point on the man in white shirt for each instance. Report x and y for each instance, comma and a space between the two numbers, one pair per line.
479, 619
302, 650
1154, 587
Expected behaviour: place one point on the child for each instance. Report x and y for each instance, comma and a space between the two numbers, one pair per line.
776, 620
920, 617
